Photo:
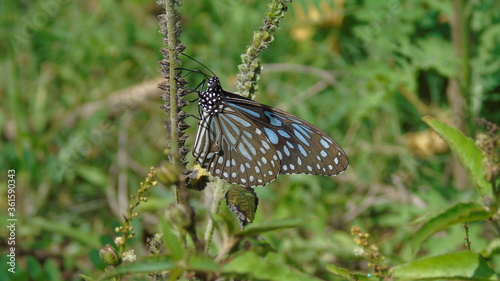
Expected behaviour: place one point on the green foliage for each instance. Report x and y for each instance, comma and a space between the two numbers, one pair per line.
363, 71
461, 265
271, 267
458, 213
470, 155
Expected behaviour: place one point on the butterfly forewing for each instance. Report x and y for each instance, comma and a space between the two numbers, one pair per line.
300, 146
230, 147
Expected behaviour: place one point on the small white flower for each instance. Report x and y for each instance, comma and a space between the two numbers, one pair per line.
119, 241
359, 251
129, 256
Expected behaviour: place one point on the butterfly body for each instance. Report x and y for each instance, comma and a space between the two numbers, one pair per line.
250, 144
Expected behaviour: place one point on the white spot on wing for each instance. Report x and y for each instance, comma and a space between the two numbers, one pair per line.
257, 170
280, 156
323, 153
287, 152
324, 143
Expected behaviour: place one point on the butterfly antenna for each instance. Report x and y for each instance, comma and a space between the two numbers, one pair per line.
199, 64
192, 71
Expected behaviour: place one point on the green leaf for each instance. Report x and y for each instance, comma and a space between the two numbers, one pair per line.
85, 277
463, 266
344, 273
36, 271
147, 265
492, 248
202, 263
458, 213
469, 154
53, 271
339, 271
157, 264
253, 267
225, 224
172, 242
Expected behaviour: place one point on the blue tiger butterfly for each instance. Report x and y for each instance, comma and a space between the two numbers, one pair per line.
248, 143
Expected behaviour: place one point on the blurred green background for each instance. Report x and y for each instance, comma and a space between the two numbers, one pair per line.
81, 121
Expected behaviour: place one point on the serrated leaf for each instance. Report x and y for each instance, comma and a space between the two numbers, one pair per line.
458, 213
469, 154
271, 267
463, 266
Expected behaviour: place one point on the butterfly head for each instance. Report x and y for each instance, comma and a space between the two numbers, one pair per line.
210, 96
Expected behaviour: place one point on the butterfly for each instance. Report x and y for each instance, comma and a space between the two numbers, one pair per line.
248, 143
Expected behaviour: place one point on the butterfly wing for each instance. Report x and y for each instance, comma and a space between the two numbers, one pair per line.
230, 147
300, 146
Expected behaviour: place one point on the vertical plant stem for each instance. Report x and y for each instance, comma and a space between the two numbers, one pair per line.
218, 191
174, 124
464, 50
467, 240
459, 86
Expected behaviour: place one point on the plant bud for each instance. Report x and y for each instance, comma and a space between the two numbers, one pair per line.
109, 255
